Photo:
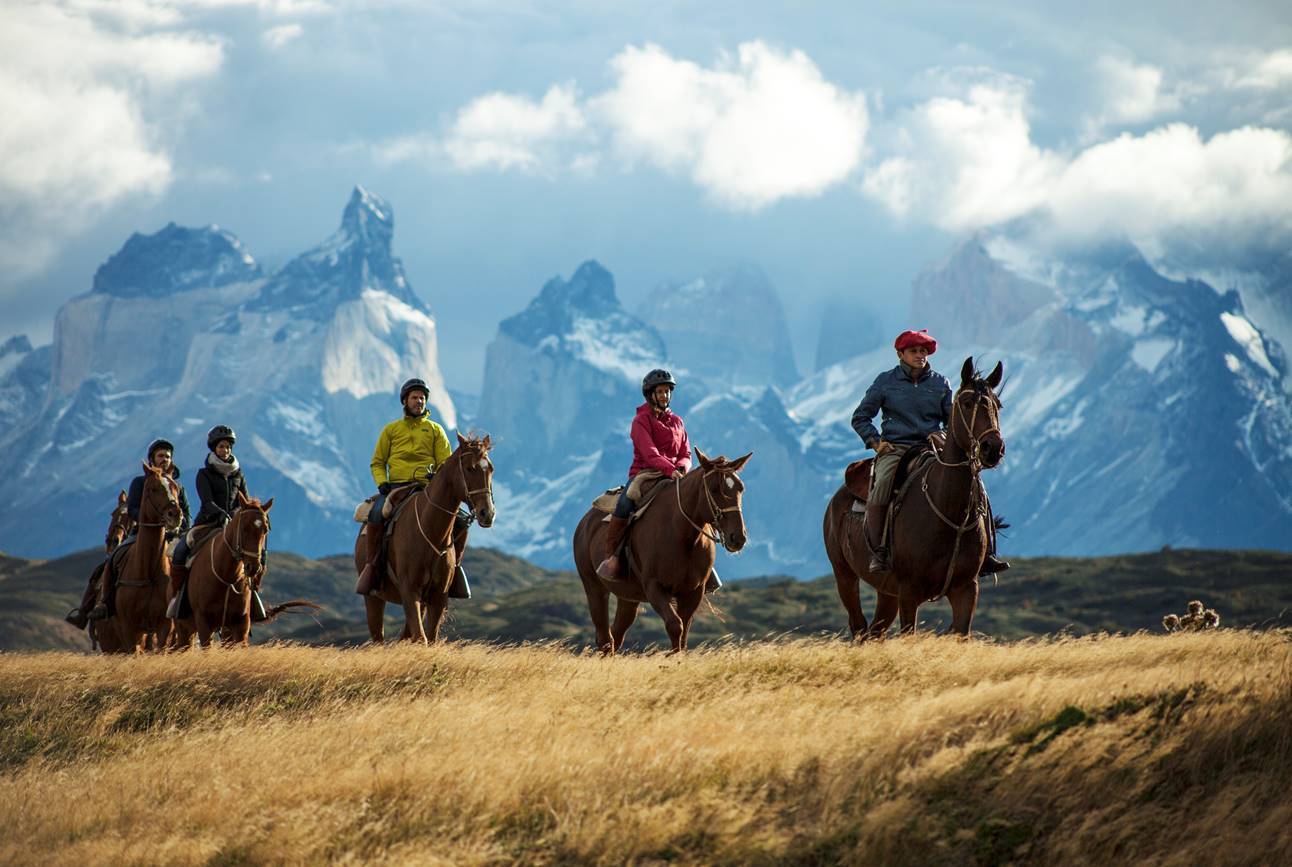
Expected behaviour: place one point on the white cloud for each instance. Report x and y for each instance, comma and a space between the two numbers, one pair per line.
969, 164
77, 138
965, 163
1256, 71
506, 131
277, 37
751, 130
1131, 92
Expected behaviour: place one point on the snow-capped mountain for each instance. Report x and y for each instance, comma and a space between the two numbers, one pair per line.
726, 329
182, 331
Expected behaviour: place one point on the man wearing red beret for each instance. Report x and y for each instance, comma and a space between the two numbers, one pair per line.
916, 401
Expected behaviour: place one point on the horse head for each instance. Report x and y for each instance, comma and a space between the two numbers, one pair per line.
250, 527
722, 491
160, 504
118, 525
476, 474
975, 415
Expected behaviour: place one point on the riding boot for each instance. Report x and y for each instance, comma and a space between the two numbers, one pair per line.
100, 611
79, 616
992, 564
368, 583
609, 567
258, 613
713, 584
875, 516
178, 575
459, 589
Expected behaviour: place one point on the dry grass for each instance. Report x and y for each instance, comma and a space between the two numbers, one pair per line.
1149, 749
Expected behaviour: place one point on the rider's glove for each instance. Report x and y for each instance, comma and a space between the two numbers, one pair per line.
882, 447
383, 488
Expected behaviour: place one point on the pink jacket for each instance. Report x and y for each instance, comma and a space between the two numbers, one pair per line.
659, 442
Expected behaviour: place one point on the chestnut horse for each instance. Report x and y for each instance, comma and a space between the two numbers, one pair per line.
103, 633
143, 585
670, 552
420, 553
939, 534
223, 572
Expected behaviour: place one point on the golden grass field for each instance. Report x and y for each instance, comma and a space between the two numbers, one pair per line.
1143, 749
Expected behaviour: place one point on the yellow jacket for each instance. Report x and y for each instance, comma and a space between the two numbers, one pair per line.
407, 447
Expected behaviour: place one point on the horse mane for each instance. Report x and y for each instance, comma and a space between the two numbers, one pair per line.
253, 503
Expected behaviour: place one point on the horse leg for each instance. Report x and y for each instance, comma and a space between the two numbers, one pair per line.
413, 617
599, 609
663, 605
240, 632
435, 608
908, 606
625, 615
885, 614
204, 627
375, 610
849, 586
963, 599
687, 604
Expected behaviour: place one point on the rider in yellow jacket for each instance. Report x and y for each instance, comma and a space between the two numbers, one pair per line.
409, 450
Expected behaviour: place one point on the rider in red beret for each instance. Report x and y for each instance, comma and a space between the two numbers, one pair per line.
916, 401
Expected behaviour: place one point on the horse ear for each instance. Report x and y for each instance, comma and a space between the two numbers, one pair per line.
997, 372
487, 442
148, 469
461, 439
702, 458
966, 372
739, 463
269, 504
121, 498
242, 499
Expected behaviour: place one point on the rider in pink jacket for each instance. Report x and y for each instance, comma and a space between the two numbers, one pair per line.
661, 449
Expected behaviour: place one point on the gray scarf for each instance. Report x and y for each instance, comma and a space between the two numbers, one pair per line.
222, 467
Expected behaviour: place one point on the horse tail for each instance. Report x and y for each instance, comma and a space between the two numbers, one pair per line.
274, 611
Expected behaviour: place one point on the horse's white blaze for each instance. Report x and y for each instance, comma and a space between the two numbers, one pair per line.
731, 483
259, 523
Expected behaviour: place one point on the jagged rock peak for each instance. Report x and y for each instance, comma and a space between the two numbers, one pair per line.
175, 259
16, 345
368, 216
588, 294
356, 258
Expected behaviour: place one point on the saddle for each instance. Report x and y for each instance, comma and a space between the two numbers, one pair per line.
856, 478
111, 568
607, 501
200, 535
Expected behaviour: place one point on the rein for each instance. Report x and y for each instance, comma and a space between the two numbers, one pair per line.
240, 573
471, 511
171, 500
974, 512
717, 511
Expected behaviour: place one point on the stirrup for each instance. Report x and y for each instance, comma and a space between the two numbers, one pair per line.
77, 618
459, 588
879, 562
713, 584
992, 564
99, 612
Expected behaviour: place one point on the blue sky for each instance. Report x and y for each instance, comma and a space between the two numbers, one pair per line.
840, 146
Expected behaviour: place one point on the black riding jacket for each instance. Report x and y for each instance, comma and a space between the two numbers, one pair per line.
218, 494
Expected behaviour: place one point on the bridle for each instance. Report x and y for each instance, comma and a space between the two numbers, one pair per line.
470, 516
716, 512
976, 511
171, 500
247, 563
119, 523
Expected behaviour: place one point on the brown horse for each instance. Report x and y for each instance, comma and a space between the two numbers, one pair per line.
421, 554
939, 534
144, 581
103, 634
223, 572
670, 552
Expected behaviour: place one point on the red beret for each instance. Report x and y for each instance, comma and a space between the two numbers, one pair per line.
907, 339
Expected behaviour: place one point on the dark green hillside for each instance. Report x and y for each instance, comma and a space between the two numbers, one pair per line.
517, 601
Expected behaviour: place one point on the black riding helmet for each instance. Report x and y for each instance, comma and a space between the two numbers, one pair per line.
156, 445
655, 378
413, 384
220, 432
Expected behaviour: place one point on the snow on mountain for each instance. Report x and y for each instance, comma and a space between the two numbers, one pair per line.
726, 328
305, 364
